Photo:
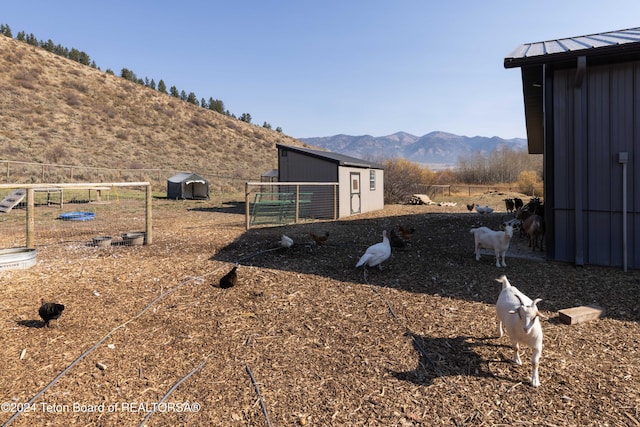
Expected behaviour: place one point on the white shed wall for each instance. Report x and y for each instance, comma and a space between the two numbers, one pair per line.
370, 200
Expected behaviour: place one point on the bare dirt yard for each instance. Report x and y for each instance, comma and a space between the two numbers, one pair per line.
305, 338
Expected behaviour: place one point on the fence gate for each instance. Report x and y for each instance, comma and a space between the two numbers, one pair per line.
272, 203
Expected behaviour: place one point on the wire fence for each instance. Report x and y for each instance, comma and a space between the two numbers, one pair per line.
77, 213
32, 173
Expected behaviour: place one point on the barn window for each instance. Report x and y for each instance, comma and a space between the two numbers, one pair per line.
372, 180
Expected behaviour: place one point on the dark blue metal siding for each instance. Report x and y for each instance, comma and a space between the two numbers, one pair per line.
633, 176
563, 210
299, 167
594, 137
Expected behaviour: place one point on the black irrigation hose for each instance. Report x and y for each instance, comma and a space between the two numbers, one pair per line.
407, 330
171, 390
255, 385
258, 253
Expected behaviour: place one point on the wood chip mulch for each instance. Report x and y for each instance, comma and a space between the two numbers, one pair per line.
411, 345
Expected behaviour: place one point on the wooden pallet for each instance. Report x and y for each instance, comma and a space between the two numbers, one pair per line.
12, 200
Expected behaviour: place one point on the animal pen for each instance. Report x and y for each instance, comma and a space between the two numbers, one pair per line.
75, 213
280, 203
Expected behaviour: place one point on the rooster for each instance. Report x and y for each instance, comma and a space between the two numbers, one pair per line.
230, 279
376, 254
50, 311
406, 233
320, 240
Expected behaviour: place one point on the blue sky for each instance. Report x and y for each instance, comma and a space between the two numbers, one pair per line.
322, 68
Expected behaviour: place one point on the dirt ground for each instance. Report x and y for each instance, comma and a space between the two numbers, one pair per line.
305, 338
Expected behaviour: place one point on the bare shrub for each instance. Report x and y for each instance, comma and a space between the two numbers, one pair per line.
403, 178
499, 166
26, 79
72, 99
56, 153
77, 85
123, 135
529, 184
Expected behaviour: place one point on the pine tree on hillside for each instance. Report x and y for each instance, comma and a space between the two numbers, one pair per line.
192, 99
216, 105
5, 31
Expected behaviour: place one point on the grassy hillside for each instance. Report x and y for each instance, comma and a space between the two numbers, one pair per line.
54, 110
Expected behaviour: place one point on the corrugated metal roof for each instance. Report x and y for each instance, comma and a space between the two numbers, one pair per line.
187, 177
612, 42
341, 159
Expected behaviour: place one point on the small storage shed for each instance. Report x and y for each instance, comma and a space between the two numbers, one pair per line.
360, 182
582, 110
187, 185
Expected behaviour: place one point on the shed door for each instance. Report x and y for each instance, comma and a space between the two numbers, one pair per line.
355, 193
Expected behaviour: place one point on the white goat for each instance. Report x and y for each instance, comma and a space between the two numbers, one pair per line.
491, 239
520, 317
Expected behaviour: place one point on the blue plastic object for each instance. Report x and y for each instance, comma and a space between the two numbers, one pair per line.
77, 216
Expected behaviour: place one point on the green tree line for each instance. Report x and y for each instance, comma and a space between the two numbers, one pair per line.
83, 58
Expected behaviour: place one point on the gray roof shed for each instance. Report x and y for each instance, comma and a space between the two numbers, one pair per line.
187, 185
339, 159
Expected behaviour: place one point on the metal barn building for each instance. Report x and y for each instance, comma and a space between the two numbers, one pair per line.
582, 110
360, 182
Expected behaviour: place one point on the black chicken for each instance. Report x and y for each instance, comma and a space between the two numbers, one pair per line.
230, 279
394, 240
50, 311
470, 206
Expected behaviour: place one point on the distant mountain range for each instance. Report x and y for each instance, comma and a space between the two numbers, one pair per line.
437, 150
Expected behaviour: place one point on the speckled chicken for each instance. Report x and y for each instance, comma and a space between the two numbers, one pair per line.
50, 311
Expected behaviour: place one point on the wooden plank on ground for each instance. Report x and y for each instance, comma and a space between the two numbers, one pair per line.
580, 314
12, 199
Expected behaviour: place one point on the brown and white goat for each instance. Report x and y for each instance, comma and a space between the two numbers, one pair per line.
534, 227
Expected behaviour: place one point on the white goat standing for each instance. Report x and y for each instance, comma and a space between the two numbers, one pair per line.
520, 317
491, 239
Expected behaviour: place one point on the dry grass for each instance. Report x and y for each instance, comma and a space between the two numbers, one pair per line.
47, 102
412, 345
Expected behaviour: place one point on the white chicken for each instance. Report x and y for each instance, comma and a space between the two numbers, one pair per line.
484, 209
376, 254
286, 241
